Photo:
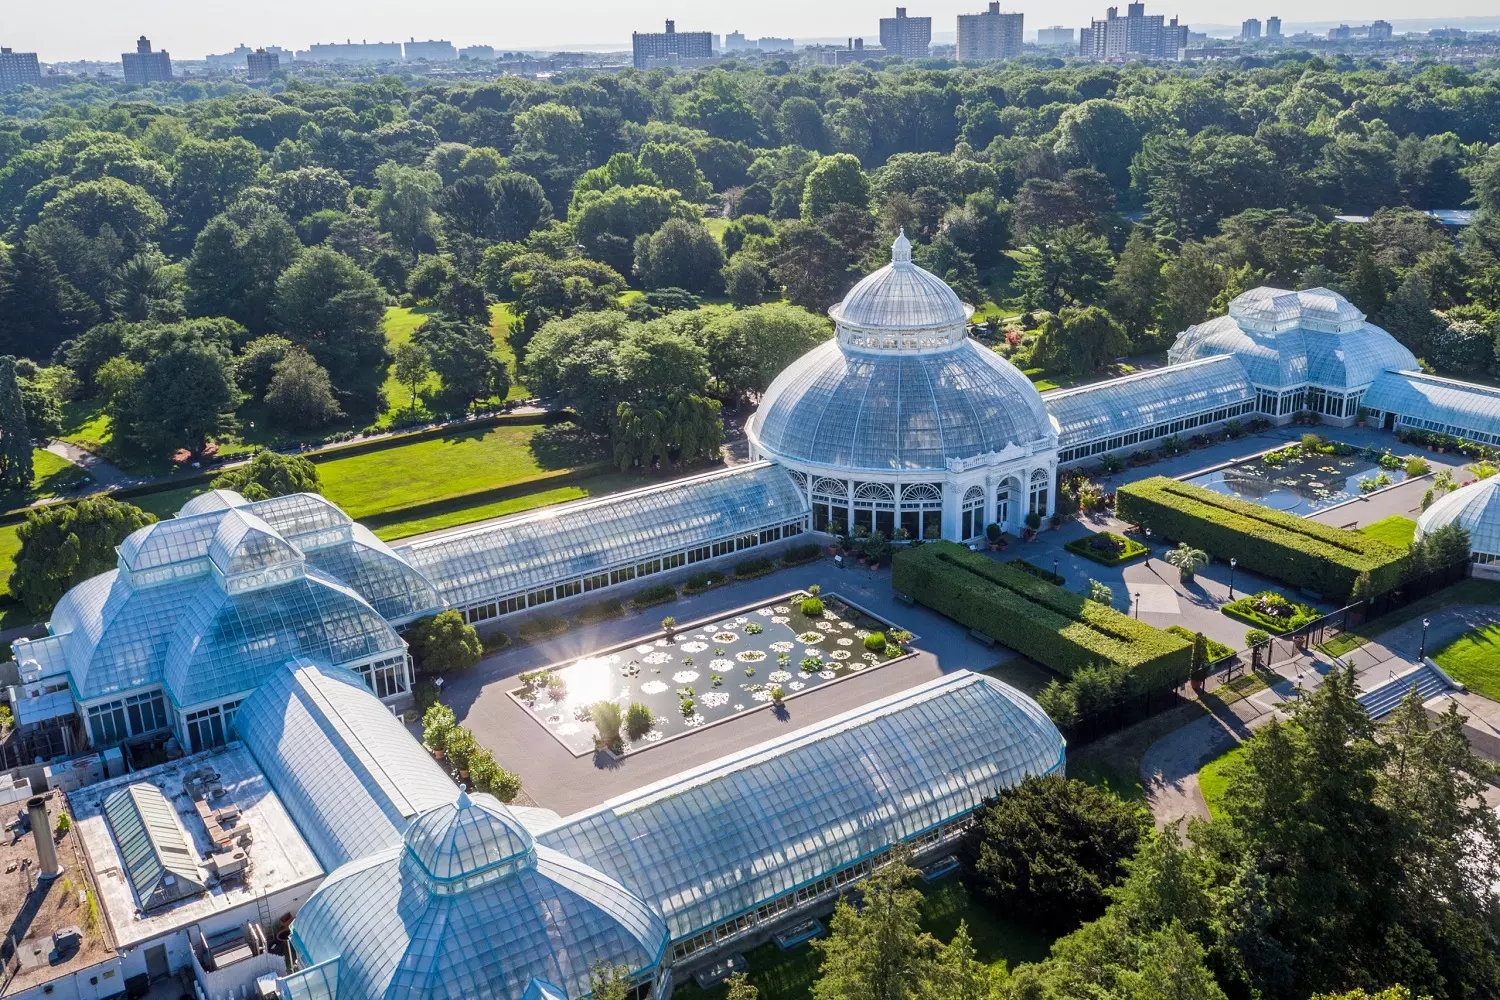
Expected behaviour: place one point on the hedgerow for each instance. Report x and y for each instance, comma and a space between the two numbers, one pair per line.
1058, 629
1293, 550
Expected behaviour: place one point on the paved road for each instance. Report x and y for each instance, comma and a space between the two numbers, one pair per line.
1169, 768
106, 476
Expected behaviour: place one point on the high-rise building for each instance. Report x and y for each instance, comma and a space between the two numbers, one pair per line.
991, 35
262, 64
670, 46
1340, 34
736, 41
144, 66
17, 69
910, 37
477, 53
1250, 29
432, 50
1273, 28
769, 44
347, 51
1380, 31
1054, 35
1137, 34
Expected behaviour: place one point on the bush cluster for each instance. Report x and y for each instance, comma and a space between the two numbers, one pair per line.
800, 555
1036, 571
1060, 630
651, 596
542, 628
699, 582
1107, 548
1216, 650
752, 568
1271, 612
442, 734
812, 607
590, 614
1293, 550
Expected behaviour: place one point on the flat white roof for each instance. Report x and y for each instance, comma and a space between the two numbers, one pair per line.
279, 857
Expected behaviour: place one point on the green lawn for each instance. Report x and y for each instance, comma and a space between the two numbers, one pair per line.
1213, 781
789, 975
10, 544
85, 424
716, 224
463, 510
1461, 593
1474, 659
1396, 531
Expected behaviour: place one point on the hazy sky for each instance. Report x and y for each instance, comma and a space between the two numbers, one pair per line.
101, 29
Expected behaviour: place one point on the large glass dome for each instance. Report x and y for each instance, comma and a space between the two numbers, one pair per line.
901, 388
1476, 509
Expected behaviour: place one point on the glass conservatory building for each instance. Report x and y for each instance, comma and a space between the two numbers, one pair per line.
1476, 509
902, 424
437, 893
1411, 400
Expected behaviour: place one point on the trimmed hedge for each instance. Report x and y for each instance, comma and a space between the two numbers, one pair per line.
801, 555
752, 568
1243, 610
661, 593
1034, 570
1060, 630
542, 628
1294, 550
699, 582
1132, 550
1216, 650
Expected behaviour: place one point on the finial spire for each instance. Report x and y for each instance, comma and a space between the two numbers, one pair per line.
901, 249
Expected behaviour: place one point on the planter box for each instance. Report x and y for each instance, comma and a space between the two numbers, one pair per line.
1133, 549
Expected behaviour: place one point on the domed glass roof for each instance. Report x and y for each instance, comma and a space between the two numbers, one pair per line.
463, 840
1286, 339
897, 412
1475, 508
901, 296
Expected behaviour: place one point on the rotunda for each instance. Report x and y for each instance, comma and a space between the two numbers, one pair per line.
901, 423
1476, 509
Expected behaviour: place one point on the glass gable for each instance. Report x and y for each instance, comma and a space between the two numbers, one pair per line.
1445, 405
1136, 402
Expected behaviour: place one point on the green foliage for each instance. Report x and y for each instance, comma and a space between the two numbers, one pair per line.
1271, 611
63, 546
606, 717
680, 254
875, 642
1255, 637
444, 643
1107, 548
1214, 649
1052, 848
699, 582
638, 720
1036, 571
270, 474
812, 607
1293, 550
438, 721
1063, 631
750, 569
15, 436
801, 555
1187, 559
659, 593
538, 629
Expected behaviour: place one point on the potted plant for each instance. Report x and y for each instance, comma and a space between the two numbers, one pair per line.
994, 534
669, 626
1033, 525
1188, 561
778, 695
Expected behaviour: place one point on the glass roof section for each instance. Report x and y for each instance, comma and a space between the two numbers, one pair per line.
1442, 400
349, 773
1142, 400
159, 859
550, 922
571, 540
229, 643
902, 296
1287, 339
718, 840
1475, 508
539, 990
312, 982
891, 412
213, 500
369, 567
464, 838
243, 542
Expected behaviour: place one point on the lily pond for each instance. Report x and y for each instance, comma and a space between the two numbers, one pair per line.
1298, 486
706, 671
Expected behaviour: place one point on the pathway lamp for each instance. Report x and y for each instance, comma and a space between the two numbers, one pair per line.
1422, 650
1232, 563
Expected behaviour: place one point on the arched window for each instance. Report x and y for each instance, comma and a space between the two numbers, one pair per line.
1039, 491
830, 505
875, 507
922, 510
973, 512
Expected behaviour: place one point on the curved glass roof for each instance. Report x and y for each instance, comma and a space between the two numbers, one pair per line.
715, 841
349, 773
1446, 401
901, 296
550, 921
1138, 401
1475, 508
1286, 339
371, 569
463, 838
547, 546
892, 412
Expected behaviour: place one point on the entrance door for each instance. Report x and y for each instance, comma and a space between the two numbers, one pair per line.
1390, 421
156, 962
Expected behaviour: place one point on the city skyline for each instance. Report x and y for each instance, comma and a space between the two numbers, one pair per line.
105, 30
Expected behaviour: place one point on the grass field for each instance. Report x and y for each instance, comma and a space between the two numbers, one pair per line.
1474, 659
465, 511
789, 975
1213, 781
1461, 593
1396, 531
716, 224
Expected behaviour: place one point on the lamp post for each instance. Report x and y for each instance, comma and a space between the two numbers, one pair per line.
1422, 651
1232, 563
1054, 567
1137, 605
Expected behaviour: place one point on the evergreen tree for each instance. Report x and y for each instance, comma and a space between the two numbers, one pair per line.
15, 437
300, 394
1407, 315
1136, 285
880, 951
1367, 284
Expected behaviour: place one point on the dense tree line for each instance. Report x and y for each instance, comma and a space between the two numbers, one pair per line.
249, 242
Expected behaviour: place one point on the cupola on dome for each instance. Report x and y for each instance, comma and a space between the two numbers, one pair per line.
902, 296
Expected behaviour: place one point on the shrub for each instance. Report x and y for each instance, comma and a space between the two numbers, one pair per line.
875, 642
699, 582
801, 555
811, 664
603, 611
1107, 548
638, 720
812, 607
494, 641
993, 531
462, 746
1271, 612
1255, 637
444, 642
437, 723
752, 568
1052, 847
1216, 650
1294, 550
1101, 593
777, 693
1416, 465
64, 824
542, 628
1037, 571
1033, 520
606, 716
651, 596
1063, 631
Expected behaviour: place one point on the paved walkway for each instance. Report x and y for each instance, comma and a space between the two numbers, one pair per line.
1169, 768
106, 476
554, 778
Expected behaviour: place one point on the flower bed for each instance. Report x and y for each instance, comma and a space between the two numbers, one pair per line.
1107, 548
1271, 611
706, 671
